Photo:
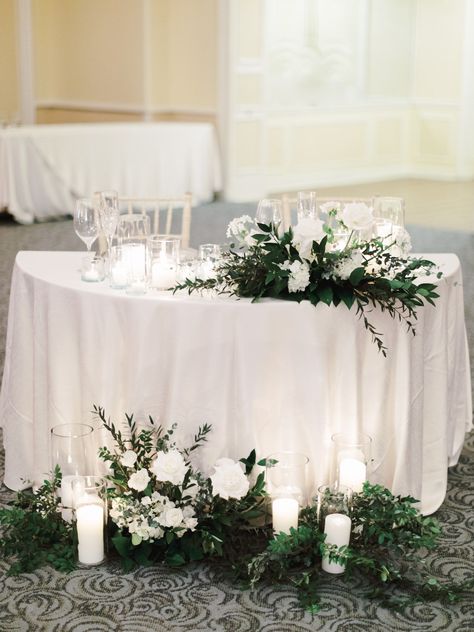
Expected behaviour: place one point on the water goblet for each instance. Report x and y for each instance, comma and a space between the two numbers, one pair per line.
85, 221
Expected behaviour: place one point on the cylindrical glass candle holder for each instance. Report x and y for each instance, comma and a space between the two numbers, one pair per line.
133, 228
332, 499
351, 457
72, 450
90, 503
286, 484
163, 253
134, 255
334, 507
118, 271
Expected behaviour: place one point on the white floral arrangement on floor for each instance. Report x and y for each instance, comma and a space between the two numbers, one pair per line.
332, 262
160, 503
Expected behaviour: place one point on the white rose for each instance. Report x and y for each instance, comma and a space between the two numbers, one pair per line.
229, 480
169, 466
305, 232
190, 523
128, 458
146, 500
139, 480
357, 216
173, 517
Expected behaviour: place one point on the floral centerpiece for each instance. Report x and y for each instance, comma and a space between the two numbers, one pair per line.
309, 262
164, 507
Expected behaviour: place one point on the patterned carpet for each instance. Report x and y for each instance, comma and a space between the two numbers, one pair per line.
201, 597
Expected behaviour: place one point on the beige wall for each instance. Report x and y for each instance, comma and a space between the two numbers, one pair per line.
133, 56
408, 120
9, 102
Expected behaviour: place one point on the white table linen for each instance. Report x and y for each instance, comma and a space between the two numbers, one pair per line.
272, 375
43, 168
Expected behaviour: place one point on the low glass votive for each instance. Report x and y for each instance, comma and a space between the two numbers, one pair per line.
92, 269
209, 254
351, 458
90, 506
286, 484
163, 253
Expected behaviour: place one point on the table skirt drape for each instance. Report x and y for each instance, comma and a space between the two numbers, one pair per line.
273, 375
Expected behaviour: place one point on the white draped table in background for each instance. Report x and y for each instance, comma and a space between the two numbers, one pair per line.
43, 168
272, 375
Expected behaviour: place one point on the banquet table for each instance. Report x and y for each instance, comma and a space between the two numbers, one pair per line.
272, 375
44, 168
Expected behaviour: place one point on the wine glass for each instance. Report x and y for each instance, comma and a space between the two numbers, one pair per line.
85, 221
108, 208
269, 212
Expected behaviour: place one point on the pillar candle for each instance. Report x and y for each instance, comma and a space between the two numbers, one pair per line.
90, 533
337, 528
352, 473
163, 274
285, 514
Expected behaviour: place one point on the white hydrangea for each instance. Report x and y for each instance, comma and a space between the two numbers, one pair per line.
128, 458
139, 480
229, 480
357, 216
169, 467
307, 230
346, 265
242, 230
298, 279
402, 245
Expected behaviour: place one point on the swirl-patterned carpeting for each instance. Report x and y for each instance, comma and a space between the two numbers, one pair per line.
201, 597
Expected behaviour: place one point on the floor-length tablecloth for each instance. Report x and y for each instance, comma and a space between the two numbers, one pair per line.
272, 375
43, 168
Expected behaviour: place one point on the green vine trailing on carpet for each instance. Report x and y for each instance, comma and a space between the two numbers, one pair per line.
33, 532
163, 509
302, 265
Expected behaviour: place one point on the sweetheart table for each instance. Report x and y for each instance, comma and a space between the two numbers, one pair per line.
44, 168
274, 375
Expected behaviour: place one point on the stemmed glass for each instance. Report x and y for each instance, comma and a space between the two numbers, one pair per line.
306, 205
85, 221
269, 211
108, 208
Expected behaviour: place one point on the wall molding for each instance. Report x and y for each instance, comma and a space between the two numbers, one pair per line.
121, 108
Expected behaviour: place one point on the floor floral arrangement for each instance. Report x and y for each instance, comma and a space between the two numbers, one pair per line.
311, 262
164, 510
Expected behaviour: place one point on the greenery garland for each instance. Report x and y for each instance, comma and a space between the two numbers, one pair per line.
388, 544
364, 273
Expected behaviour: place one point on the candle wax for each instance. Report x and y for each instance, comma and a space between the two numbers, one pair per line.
352, 473
337, 528
90, 533
285, 514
